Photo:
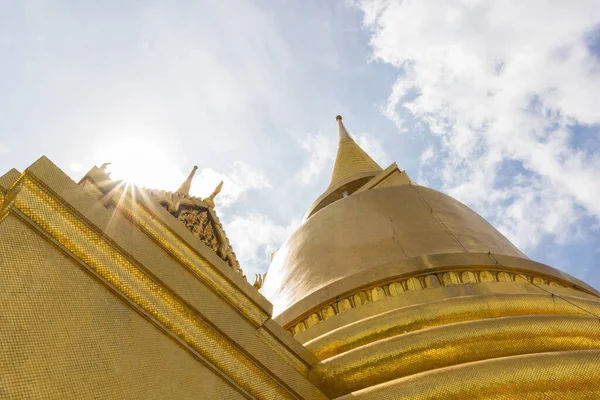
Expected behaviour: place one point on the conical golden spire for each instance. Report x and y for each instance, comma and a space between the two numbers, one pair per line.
350, 160
210, 200
185, 186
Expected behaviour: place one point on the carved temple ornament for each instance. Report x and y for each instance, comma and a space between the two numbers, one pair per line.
198, 222
199, 216
420, 281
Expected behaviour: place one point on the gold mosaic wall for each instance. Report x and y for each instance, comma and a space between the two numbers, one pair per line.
64, 335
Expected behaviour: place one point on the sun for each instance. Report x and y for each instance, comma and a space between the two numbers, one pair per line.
143, 162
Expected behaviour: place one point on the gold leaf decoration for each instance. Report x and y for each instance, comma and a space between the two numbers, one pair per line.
397, 288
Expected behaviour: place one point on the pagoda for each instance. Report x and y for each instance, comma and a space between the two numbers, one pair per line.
402, 292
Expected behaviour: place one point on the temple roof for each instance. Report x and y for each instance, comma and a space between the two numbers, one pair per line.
199, 216
195, 213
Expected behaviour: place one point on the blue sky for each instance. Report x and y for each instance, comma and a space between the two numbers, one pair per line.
494, 105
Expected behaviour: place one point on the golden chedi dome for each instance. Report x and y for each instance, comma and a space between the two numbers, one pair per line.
376, 228
400, 290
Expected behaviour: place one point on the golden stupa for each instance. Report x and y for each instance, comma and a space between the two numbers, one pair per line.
388, 290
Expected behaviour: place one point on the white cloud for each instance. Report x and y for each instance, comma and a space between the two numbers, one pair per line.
498, 83
200, 79
236, 183
321, 153
427, 155
255, 237
372, 147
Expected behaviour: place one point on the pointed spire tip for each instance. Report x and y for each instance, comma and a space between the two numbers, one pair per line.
350, 159
210, 200
342, 133
185, 186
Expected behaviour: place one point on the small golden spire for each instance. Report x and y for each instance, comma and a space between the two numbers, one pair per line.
210, 200
351, 160
185, 186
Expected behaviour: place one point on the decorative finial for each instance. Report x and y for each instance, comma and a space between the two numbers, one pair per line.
342, 133
259, 280
103, 166
210, 200
185, 186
